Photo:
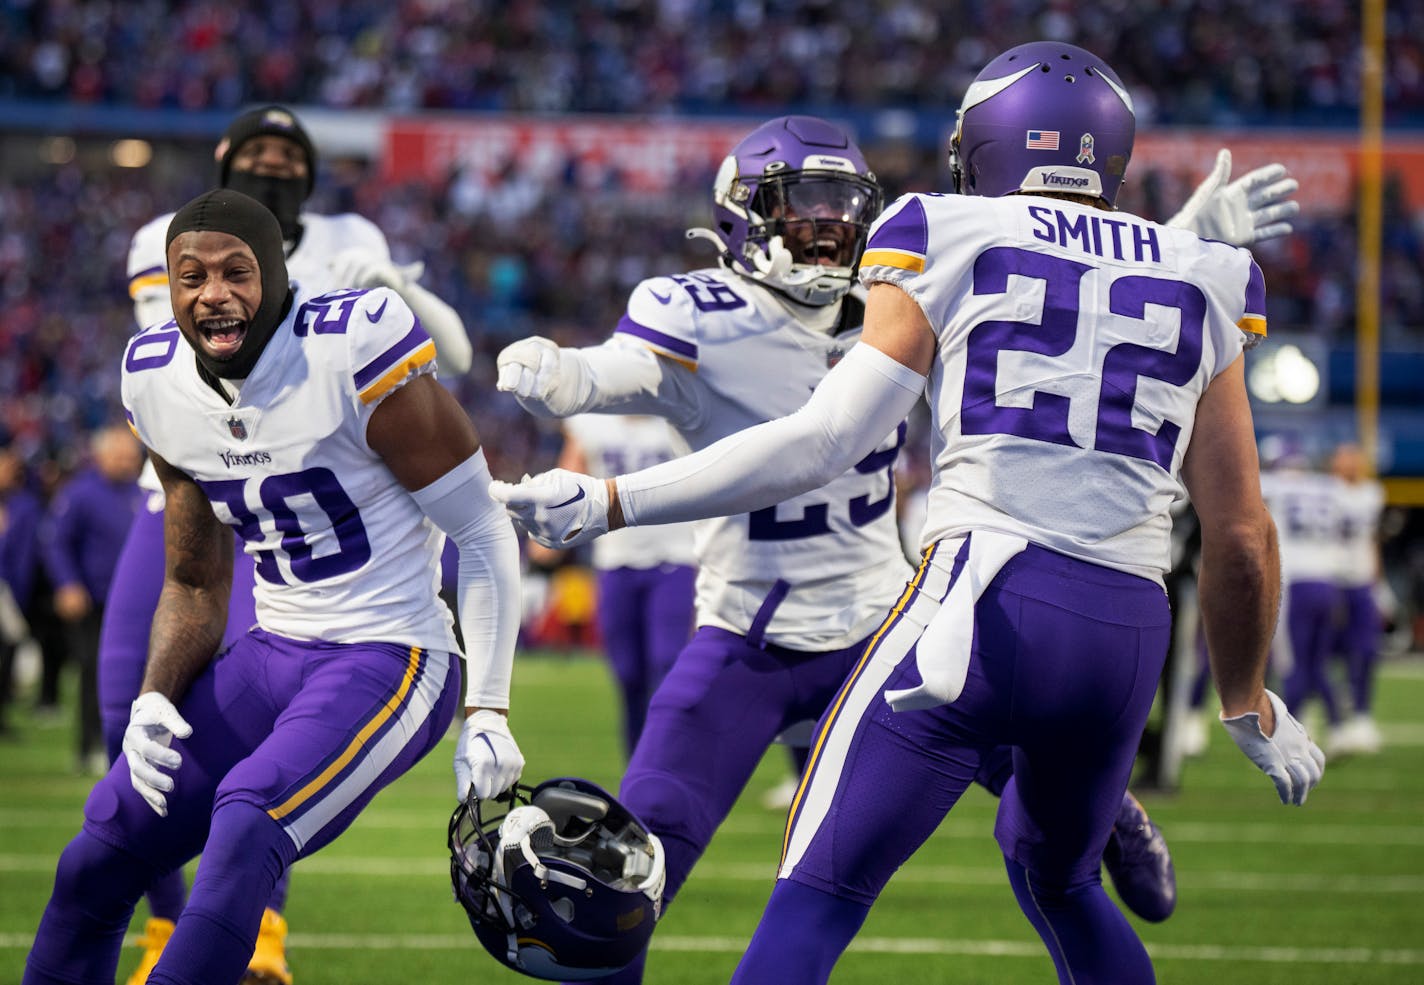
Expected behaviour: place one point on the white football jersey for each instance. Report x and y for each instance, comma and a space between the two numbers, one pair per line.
1361, 504
308, 268
751, 357
617, 443
1306, 508
1073, 346
342, 551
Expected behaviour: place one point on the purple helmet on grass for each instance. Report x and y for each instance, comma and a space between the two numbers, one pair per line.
802, 179
1043, 117
561, 883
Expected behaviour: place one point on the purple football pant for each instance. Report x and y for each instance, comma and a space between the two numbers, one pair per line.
123, 651
1311, 608
1359, 641
710, 722
644, 618
290, 741
1064, 664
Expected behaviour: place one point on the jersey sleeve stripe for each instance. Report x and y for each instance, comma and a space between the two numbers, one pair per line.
377, 367
153, 277
397, 373
1252, 324
675, 349
893, 258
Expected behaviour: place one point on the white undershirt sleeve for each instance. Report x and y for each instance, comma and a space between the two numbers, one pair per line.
488, 604
626, 377
857, 405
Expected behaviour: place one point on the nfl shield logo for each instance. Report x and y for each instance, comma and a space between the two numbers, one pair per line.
1085, 149
237, 428
834, 356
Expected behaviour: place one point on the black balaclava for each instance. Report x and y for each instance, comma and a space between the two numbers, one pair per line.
284, 196
226, 211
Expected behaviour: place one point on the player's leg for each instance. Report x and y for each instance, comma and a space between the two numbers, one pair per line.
1311, 621
669, 618
124, 846
123, 651
877, 784
722, 694
1079, 649
354, 718
1361, 646
622, 598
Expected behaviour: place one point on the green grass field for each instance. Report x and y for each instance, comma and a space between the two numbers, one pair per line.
1332, 893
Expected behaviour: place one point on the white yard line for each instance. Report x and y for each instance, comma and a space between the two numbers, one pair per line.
864, 945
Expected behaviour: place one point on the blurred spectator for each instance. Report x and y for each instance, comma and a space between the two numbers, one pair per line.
20, 513
80, 538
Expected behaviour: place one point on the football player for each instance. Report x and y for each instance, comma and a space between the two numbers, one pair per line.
312, 424
1361, 581
789, 593
267, 154
1068, 353
1305, 503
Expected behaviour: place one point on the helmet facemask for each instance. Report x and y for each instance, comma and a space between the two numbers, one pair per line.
792, 206
821, 220
564, 884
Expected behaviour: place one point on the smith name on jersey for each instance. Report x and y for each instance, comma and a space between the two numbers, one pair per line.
287, 461
1068, 374
749, 357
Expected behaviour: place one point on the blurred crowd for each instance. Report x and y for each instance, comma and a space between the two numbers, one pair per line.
1214, 62
515, 256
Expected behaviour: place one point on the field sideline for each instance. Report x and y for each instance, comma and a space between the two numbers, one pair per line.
1332, 893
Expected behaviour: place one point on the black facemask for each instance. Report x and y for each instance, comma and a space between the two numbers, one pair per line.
282, 196
232, 212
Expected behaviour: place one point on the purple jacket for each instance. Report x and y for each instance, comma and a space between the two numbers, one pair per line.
19, 543
85, 529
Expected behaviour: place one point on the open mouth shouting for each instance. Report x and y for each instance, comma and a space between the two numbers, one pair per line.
222, 336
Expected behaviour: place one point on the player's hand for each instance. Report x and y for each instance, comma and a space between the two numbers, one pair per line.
153, 722
486, 756
1254, 207
1288, 756
557, 508
545, 379
356, 268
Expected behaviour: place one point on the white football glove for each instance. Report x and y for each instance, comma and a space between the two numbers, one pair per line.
1293, 762
558, 508
153, 722
546, 380
1254, 207
357, 268
486, 756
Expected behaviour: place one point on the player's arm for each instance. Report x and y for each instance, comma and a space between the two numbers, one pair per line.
187, 631
860, 401
1239, 585
618, 377
191, 616
433, 449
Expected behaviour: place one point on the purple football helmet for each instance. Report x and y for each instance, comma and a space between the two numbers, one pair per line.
562, 883
1043, 117
792, 205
